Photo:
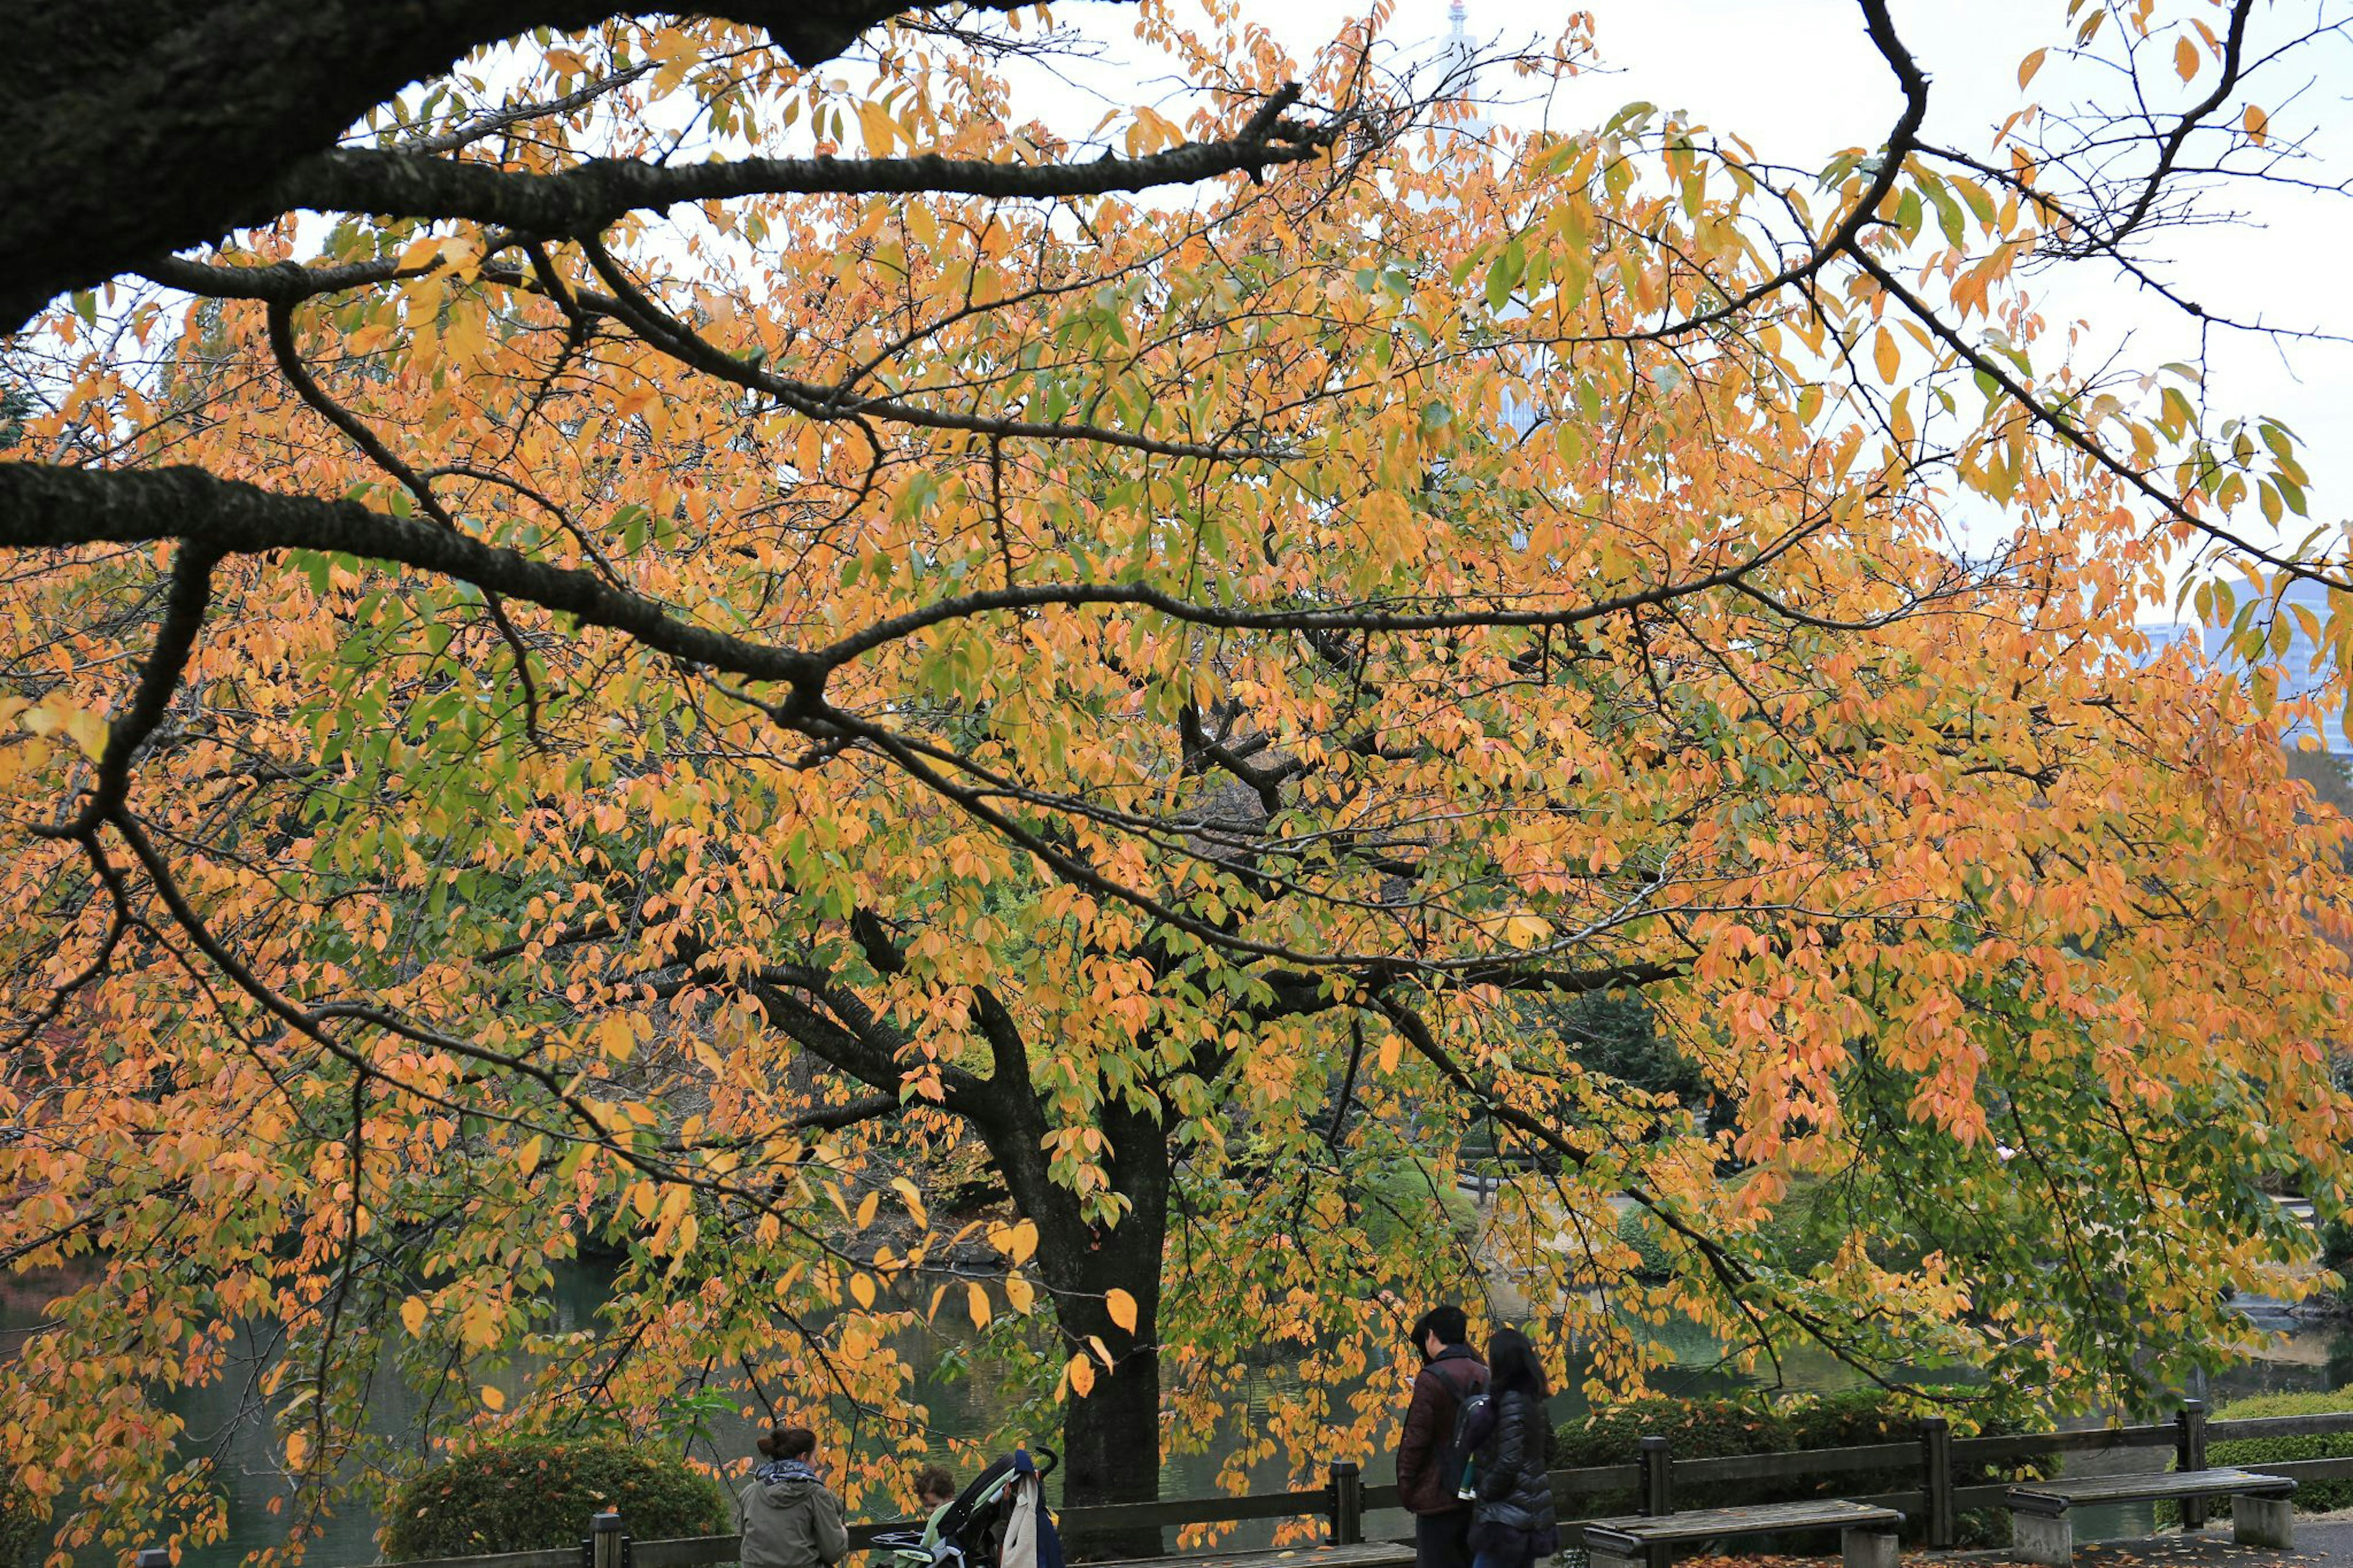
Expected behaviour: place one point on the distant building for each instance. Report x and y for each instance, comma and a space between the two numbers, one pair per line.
2297, 676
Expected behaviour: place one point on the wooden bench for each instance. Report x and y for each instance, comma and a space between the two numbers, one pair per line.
1867, 1534
2261, 1514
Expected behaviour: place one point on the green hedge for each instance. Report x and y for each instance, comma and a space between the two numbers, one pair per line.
534, 1493
20, 1524
2254, 1453
1651, 1259
1710, 1428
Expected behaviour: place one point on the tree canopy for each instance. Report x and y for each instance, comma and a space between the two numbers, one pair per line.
589, 669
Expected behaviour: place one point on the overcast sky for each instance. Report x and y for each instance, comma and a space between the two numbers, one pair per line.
1798, 81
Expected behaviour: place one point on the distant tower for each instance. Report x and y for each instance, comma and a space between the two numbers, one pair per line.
1458, 36
1460, 59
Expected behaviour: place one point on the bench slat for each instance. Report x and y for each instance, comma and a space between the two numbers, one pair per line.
1702, 1524
2058, 1497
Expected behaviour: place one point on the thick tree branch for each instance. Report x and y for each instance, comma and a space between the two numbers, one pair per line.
49, 508
586, 198
157, 124
176, 639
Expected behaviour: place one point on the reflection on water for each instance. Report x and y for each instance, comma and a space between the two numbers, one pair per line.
2308, 1357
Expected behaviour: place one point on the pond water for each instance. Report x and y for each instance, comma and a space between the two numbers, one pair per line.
2305, 1356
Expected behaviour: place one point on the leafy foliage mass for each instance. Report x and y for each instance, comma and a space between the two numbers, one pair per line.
526, 1495
715, 652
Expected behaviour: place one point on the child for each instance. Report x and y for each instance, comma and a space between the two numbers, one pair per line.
934, 1489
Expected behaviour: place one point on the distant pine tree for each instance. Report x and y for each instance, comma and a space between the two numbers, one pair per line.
15, 403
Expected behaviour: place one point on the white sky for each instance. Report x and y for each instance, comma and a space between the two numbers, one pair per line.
1798, 81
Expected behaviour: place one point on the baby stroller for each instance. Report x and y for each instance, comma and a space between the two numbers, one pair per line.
1005, 1502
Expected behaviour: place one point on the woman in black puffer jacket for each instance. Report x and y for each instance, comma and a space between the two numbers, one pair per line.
1511, 1520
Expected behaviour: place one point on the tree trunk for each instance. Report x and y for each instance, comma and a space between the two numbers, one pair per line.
1111, 1437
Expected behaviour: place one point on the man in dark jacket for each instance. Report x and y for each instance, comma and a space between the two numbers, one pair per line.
1451, 1372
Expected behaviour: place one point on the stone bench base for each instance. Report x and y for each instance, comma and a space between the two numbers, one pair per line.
2050, 1538
1871, 1547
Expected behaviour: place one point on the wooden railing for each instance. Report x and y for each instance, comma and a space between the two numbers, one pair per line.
1936, 1457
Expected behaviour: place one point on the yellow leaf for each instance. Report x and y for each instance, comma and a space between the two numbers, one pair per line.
867, 1207
1102, 1349
412, 1315
2029, 65
1019, 1292
54, 717
1392, 1048
1526, 931
912, 1199
1082, 1374
874, 123
1883, 354
1023, 1242
494, 1398
89, 731
976, 1301
2185, 58
297, 1448
615, 1038
642, 1197
2258, 124
527, 1158
1121, 1307
568, 62
861, 1290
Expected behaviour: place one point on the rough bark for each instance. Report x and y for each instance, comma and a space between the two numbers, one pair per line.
141, 127
1111, 1437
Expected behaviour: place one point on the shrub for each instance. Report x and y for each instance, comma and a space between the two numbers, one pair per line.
2254, 1453
1710, 1428
534, 1493
20, 1523
2336, 1256
1406, 1195
1650, 1260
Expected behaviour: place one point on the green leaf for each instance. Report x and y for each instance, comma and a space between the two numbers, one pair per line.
1504, 275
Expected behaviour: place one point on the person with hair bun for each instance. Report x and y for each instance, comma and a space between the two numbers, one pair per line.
786, 1514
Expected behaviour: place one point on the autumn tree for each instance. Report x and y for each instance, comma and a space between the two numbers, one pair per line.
632, 679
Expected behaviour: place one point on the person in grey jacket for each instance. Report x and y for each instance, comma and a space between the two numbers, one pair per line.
787, 1516
1510, 1436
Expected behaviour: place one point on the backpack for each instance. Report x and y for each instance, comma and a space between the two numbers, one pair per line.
1454, 1459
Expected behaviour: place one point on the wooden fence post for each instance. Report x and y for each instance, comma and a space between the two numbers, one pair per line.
607, 1545
1936, 1479
1347, 1503
1658, 1466
2190, 1453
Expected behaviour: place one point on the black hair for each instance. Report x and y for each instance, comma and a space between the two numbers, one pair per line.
1447, 1322
1513, 1364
